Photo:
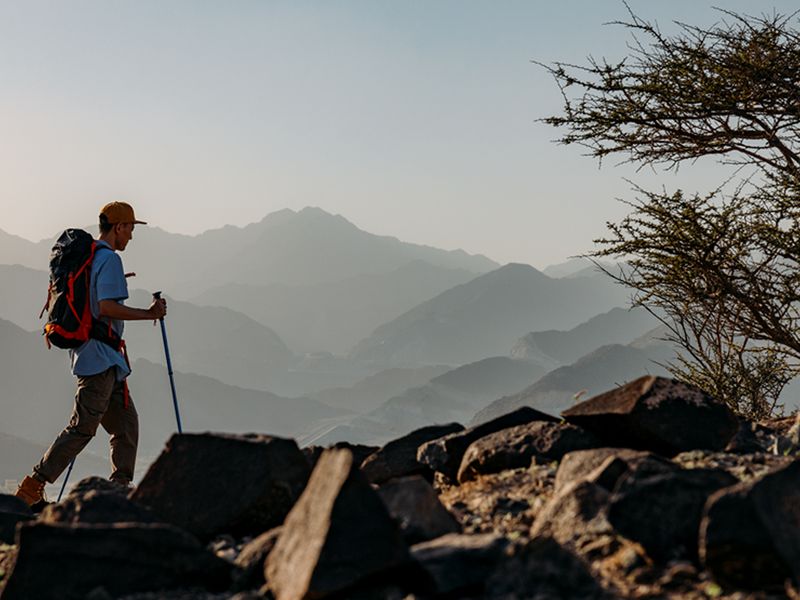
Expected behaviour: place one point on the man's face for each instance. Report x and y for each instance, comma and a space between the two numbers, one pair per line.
124, 235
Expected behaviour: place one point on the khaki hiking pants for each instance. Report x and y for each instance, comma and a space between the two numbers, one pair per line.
98, 401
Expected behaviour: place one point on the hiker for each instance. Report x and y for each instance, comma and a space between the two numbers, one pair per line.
102, 397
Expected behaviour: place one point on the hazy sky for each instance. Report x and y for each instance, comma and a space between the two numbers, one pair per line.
410, 118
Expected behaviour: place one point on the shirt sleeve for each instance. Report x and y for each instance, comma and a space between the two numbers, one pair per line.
111, 282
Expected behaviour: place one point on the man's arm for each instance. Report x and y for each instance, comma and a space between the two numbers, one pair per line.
120, 312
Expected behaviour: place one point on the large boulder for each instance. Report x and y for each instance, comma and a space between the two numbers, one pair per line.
662, 512
12, 511
445, 454
657, 414
513, 448
749, 533
57, 561
413, 503
209, 483
398, 458
459, 564
337, 536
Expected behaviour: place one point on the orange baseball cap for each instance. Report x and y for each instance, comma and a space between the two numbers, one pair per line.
119, 212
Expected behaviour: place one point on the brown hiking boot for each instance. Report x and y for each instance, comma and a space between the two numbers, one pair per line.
31, 491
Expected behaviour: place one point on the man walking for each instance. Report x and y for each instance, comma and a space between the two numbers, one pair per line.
102, 397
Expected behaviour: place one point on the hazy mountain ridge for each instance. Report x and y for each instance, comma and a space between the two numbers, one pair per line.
617, 326
334, 316
600, 370
452, 396
485, 316
306, 247
22, 295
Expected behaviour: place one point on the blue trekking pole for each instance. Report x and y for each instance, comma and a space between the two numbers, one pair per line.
66, 477
157, 296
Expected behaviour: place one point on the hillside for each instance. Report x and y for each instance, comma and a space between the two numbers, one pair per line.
15, 250
598, 371
485, 317
372, 391
617, 326
333, 316
23, 294
306, 247
452, 396
211, 341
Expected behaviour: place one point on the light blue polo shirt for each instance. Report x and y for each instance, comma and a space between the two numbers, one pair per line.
107, 283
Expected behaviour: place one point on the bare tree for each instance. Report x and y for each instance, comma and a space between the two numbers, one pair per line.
720, 270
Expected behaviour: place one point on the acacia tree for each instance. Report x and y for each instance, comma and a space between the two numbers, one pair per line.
720, 270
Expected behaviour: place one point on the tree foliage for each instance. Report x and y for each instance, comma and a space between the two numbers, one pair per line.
722, 270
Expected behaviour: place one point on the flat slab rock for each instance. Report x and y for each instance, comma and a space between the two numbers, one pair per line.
122, 559
445, 454
337, 536
210, 484
398, 458
657, 414
515, 447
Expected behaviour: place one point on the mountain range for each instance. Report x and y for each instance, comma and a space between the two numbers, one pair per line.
485, 316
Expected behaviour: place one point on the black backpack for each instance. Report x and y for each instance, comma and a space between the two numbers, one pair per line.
69, 319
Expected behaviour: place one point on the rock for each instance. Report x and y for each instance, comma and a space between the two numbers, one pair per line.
542, 569
746, 440
460, 564
12, 511
70, 561
578, 464
360, 451
749, 532
578, 510
513, 448
398, 458
209, 483
657, 414
338, 535
98, 484
251, 560
444, 454
97, 507
662, 512
413, 503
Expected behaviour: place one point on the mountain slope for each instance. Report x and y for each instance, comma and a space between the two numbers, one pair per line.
453, 396
617, 326
485, 316
22, 295
372, 391
216, 342
333, 316
292, 248
15, 250
598, 371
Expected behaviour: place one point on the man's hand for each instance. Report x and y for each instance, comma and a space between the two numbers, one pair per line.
158, 309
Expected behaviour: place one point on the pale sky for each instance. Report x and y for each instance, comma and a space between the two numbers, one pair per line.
415, 119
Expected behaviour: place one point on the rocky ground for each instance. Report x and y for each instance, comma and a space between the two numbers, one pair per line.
652, 490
